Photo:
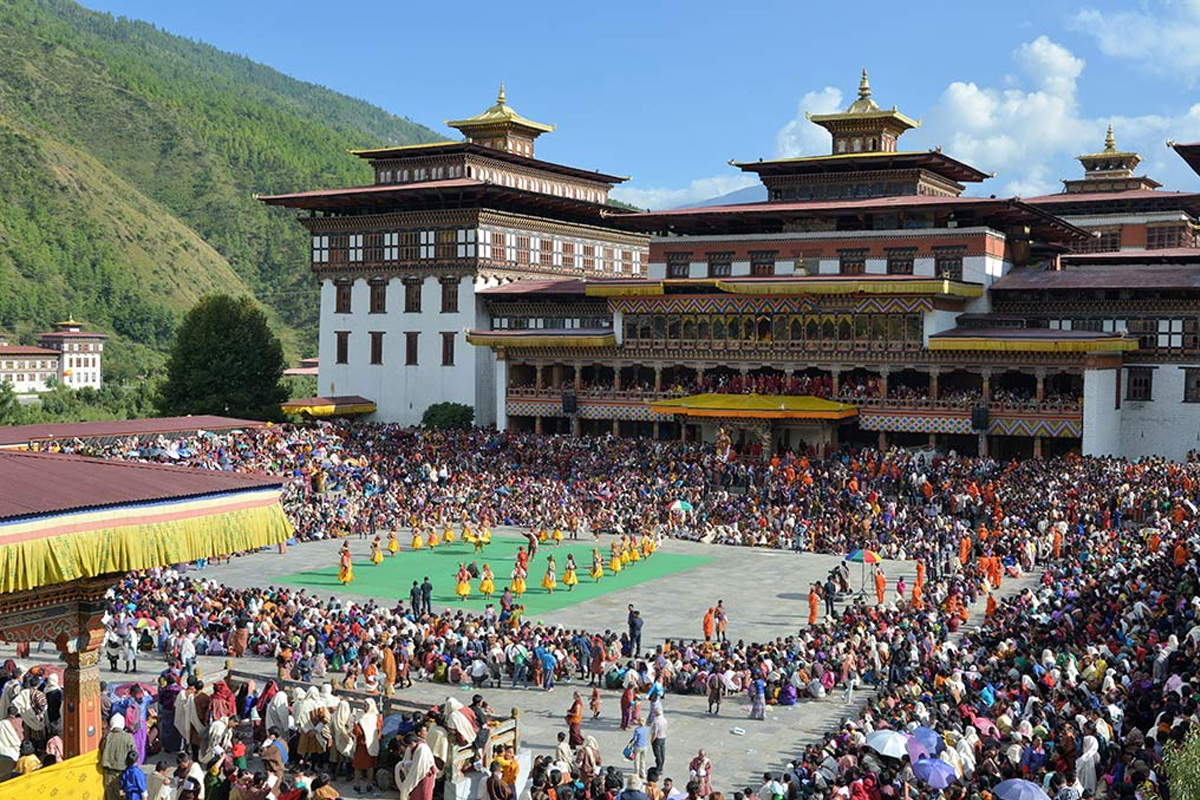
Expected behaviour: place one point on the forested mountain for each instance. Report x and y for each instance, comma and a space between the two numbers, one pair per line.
128, 161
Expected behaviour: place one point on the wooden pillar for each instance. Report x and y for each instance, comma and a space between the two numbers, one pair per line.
837, 381
983, 444
699, 378
81, 722
616, 427
537, 424
1037, 445
986, 388
654, 431
683, 430
537, 380
933, 384
883, 382
883, 442
657, 379
1041, 385
933, 440
578, 376
617, 378
576, 425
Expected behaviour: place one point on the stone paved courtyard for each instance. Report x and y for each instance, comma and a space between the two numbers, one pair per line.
765, 592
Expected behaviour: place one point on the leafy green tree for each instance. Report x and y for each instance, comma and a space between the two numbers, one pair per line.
10, 410
225, 360
1181, 761
448, 416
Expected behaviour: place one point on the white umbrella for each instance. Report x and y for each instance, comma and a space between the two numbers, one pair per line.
888, 743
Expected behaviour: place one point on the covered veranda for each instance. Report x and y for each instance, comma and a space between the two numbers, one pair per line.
71, 526
756, 424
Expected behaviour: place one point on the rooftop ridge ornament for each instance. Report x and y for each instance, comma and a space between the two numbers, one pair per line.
864, 86
1110, 141
500, 98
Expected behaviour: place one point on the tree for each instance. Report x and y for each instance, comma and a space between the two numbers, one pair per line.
1181, 762
448, 416
225, 360
10, 410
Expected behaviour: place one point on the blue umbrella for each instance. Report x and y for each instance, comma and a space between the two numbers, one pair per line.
1017, 789
934, 773
930, 739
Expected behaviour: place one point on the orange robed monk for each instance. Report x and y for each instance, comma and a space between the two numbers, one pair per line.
814, 603
880, 586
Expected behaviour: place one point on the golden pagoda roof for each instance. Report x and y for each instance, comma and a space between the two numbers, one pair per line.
501, 114
1110, 150
865, 107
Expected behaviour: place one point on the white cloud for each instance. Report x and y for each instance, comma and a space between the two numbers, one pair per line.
1030, 136
697, 191
1162, 38
1029, 128
800, 137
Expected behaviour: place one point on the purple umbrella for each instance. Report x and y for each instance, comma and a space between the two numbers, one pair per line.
930, 739
1017, 789
934, 773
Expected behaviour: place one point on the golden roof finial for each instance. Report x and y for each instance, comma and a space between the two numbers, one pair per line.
864, 86
1110, 141
500, 100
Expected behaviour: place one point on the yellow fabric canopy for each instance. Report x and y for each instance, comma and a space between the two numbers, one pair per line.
328, 406
57, 548
756, 406
1032, 345
76, 778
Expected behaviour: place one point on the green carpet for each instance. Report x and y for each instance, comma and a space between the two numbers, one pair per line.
393, 579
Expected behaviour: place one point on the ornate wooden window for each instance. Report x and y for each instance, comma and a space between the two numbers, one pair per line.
703, 329
948, 263
342, 297
678, 264
1159, 237
320, 249
1191, 385
449, 296
762, 263
342, 356
1105, 240
376, 347
720, 265
1140, 385
568, 255
448, 349
900, 261
378, 297
852, 262
410, 348
412, 296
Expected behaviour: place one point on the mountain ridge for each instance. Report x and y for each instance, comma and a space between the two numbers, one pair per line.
106, 119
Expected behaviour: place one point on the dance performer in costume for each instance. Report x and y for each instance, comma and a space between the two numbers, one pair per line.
393, 544
551, 580
518, 580
614, 562
597, 565
487, 586
570, 579
345, 567
376, 551
462, 585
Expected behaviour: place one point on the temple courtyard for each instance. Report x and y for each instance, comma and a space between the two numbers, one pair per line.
765, 592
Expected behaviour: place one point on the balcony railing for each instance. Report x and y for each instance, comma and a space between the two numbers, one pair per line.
1048, 406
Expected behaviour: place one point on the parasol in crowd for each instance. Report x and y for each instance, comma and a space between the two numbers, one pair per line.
1018, 789
863, 557
934, 773
887, 743
679, 505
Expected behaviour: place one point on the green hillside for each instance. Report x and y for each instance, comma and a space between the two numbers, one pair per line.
128, 160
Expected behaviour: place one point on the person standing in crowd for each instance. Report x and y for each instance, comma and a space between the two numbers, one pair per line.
115, 752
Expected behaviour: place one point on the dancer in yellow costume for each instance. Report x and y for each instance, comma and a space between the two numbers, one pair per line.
376, 552
418, 540
393, 544
485, 538
433, 537
551, 580
614, 561
462, 583
557, 535
543, 535
345, 567
570, 578
448, 536
487, 586
597, 571
518, 580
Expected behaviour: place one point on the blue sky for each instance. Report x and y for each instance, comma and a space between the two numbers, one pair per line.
668, 92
